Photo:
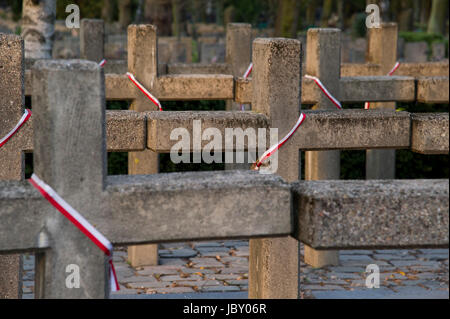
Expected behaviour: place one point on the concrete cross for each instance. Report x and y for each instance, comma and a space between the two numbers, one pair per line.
143, 63
11, 156
146, 209
69, 121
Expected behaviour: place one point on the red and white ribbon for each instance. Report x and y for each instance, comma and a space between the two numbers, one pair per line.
325, 91
25, 117
277, 146
80, 222
144, 90
246, 75
391, 72
102, 63
249, 70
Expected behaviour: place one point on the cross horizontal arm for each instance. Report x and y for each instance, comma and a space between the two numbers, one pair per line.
198, 68
424, 69
377, 89
360, 69
433, 90
430, 133
372, 214
353, 129
367, 89
125, 131
23, 217
160, 208
162, 124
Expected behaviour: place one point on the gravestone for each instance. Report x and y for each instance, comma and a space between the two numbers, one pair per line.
416, 52
438, 52
212, 53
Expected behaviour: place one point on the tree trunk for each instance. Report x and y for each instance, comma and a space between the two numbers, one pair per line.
439, 11
311, 12
179, 27
38, 28
125, 13
405, 17
425, 10
326, 13
159, 13
108, 10
285, 22
341, 23
139, 12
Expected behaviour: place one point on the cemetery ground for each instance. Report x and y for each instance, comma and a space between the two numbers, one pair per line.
220, 269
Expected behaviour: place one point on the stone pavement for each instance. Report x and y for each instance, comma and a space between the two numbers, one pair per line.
220, 270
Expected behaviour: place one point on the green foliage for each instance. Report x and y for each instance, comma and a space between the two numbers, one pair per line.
16, 7
421, 36
259, 13
88, 9
359, 28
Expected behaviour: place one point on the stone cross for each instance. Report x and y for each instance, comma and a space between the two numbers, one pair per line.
323, 165
69, 118
11, 156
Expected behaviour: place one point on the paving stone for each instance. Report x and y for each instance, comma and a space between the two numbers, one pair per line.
28, 266
407, 263
174, 290
212, 249
124, 272
234, 270
214, 254
178, 253
237, 282
219, 288
344, 269
392, 276
390, 257
392, 251
325, 287
123, 254
28, 296
345, 275
196, 270
206, 244
174, 245
172, 262
26, 290
146, 285
236, 243
242, 253
356, 252
235, 260
136, 279
160, 270
206, 262
434, 257
434, 251
124, 291
199, 284
179, 278
223, 276
328, 281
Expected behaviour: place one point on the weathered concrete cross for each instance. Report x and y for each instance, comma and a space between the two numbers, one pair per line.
70, 156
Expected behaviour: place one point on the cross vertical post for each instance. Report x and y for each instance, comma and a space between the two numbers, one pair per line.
382, 50
92, 39
143, 63
238, 52
274, 262
323, 60
238, 57
12, 165
70, 156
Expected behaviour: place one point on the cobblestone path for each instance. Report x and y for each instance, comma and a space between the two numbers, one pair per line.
223, 267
